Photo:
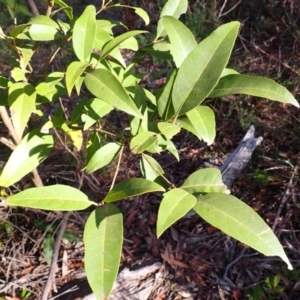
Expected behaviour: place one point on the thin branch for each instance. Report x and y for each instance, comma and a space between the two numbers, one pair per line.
33, 7
53, 266
117, 169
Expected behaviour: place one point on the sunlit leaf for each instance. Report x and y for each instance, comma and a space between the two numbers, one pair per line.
241, 222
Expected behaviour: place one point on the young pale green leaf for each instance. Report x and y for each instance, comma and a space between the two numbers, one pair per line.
21, 100
201, 70
253, 85
241, 222
32, 150
114, 43
174, 8
103, 238
143, 141
105, 86
52, 197
168, 129
175, 204
67, 9
164, 102
150, 168
84, 34
181, 38
102, 157
74, 71
43, 33
96, 109
139, 11
202, 119
228, 71
43, 20
205, 181
132, 187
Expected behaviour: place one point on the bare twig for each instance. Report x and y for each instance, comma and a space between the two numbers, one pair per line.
285, 197
221, 14
33, 7
51, 277
117, 169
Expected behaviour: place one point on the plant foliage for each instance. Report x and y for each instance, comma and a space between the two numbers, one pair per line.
98, 66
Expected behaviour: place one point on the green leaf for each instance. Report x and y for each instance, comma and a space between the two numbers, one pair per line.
93, 145
202, 118
67, 9
52, 197
132, 187
150, 168
32, 150
181, 38
114, 43
241, 222
43, 33
201, 70
74, 71
84, 34
164, 102
102, 157
175, 204
205, 181
21, 100
143, 141
105, 86
43, 20
48, 244
139, 11
168, 129
103, 237
255, 86
96, 109
174, 8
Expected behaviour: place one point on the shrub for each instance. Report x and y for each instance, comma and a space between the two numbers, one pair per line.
97, 65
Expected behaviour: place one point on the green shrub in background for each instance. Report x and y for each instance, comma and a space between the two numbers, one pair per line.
199, 72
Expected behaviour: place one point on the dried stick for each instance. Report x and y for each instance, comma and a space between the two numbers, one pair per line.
33, 7
286, 195
51, 277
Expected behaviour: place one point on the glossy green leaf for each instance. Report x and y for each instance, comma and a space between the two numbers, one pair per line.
103, 238
241, 222
52, 197
102, 157
84, 34
74, 71
175, 204
105, 86
205, 181
95, 110
67, 9
32, 150
21, 99
164, 102
139, 11
132, 187
202, 119
174, 8
228, 71
93, 145
142, 141
114, 43
168, 129
201, 70
255, 86
150, 168
43, 20
43, 33
181, 38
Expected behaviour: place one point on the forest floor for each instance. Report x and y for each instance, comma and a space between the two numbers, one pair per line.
198, 261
